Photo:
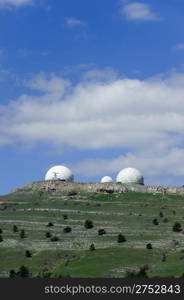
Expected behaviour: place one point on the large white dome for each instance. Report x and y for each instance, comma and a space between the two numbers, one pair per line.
106, 179
130, 175
59, 173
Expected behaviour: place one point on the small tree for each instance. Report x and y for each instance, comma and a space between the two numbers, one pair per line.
48, 234
54, 239
1, 239
15, 229
149, 246
12, 274
92, 247
22, 234
65, 217
88, 224
28, 254
161, 214
155, 222
164, 258
177, 227
101, 232
23, 272
121, 238
142, 273
67, 229
1, 231
50, 224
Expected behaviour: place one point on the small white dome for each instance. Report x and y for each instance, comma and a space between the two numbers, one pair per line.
130, 175
106, 179
59, 173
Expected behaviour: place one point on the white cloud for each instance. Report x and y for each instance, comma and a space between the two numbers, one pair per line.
17, 3
107, 75
179, 46
74, 22
144, 116
138, 11
151, 163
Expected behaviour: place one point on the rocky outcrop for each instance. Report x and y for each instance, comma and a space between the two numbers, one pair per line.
109, 188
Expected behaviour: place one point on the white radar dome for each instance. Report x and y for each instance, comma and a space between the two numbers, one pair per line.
59, 173
130, 175
106, 179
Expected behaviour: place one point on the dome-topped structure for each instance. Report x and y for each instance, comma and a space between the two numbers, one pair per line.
59, 173
130, 175
106, 179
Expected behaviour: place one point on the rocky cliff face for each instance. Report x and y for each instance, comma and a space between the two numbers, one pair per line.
60, 186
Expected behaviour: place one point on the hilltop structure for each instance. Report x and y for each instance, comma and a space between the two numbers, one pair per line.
130, 175
61, 173
106, 179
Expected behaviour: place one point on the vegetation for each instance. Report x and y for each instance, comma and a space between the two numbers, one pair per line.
92, 247
22, 234
149, 246
177, 227
48, 234
67, 229
121, 238
72, 254
101, 232
15, 229
28, 254
50, 224
54, 239
155, 222
88, 224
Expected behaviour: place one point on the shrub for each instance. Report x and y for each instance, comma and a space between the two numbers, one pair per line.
22, 234
1, 231
88, 224
15, 229
155, 222
177, 227
12, 274
92, 247
50, 224
67, 229
28, 254
1, 239
65, 217
149, 246
121, 238
101, 232
161, 214
23, 272
142, 273
54, 239
164, 258
48, 234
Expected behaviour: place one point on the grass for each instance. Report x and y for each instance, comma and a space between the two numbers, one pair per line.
129, 213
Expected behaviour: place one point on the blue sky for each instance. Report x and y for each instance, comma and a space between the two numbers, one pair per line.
94, 85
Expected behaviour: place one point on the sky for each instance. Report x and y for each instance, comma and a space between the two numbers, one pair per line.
96, 86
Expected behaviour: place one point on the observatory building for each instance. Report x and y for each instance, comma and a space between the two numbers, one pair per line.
130, 175
106, 179
61, 173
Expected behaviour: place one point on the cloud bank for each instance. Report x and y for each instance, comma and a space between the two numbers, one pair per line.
142, 118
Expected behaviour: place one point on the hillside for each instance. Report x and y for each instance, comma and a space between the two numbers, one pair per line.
130, 214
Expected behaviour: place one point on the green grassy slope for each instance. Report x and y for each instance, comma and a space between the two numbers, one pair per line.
130, 214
